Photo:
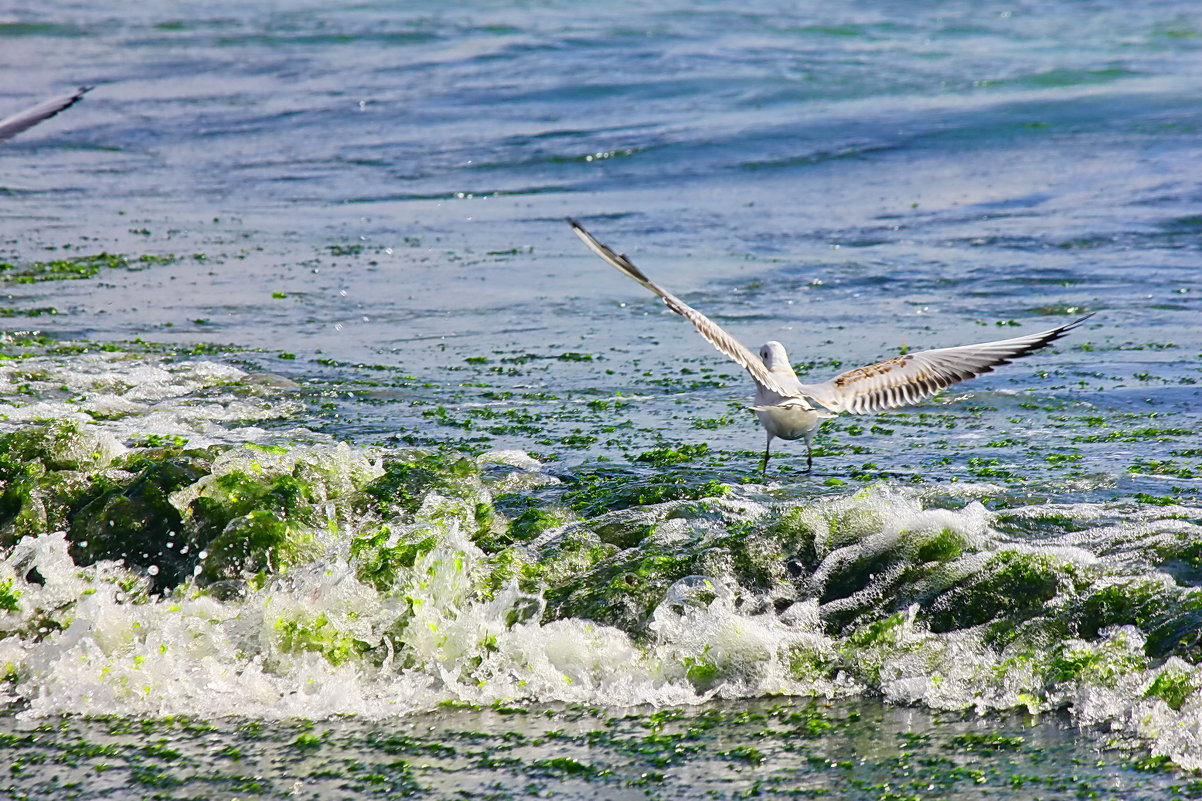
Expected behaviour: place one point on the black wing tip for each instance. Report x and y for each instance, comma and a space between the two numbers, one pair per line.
580, 230
76, 97
1063, 331
1077, 322
1055, 334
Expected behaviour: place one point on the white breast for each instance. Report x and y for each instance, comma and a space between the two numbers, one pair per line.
791, 420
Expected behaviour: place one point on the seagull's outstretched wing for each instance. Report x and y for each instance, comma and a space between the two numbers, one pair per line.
30, 117
704, 325
907, 379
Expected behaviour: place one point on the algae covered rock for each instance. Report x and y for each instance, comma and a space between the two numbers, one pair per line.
625, 532
513, 471
610, 489
44, 475
1011, 587
260, 541
136, 522
408, 478
59, 445
424, 497
34, 501
523, 528
174, 513
382, 553
593, 579
261, 509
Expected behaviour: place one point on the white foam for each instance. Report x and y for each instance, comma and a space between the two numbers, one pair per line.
132, 395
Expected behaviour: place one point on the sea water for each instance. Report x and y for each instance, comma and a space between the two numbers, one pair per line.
333, 463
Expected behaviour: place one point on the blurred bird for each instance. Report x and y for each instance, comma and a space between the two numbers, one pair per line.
30, 117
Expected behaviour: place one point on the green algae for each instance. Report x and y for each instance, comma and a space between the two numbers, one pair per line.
666, 456
10, 598
407, 481
1142, 603
1173, 686
307, 742
1137, 435
137, 522
972, 742
1013, 586
610, 489
319, 635
44, 476
565, 766
77, 267
74, 267
9, 311
381, 557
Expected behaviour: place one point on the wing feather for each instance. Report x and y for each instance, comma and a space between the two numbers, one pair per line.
30, 117
712, 332
907, 379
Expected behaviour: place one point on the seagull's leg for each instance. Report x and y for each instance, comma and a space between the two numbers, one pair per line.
809, 454
764, 466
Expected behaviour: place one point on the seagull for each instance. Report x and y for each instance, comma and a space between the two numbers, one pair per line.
30, 117
789, 409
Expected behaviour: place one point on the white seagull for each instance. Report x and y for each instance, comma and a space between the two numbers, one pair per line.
789, 409
30, 117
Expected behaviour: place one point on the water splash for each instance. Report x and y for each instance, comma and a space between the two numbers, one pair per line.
144, 575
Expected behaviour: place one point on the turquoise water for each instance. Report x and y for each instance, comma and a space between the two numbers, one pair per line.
346, 422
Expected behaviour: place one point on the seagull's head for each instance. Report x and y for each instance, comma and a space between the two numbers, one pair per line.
774, 356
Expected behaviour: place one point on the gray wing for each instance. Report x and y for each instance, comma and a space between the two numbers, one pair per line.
712, 332
30, 117
907, 379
